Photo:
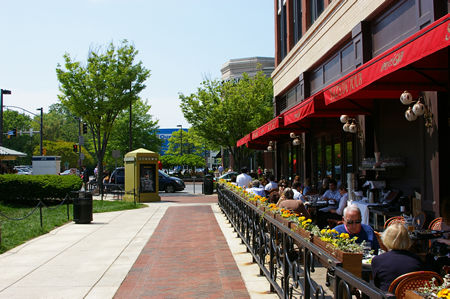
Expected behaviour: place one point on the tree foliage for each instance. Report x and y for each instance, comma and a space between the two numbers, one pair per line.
100, 90
189, 160
224, 112
64, 149
144, 131
192, 143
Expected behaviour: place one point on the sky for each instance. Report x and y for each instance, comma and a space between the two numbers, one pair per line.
181, 42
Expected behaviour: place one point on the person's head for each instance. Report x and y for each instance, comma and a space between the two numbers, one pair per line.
297, 178
396, 237
352, 219
255, 183
271, 178
332, 184
325, 182
288, 193
342, 189
233, 178
296, 185
307, 182
244, 169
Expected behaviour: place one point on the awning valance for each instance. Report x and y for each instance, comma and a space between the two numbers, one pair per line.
418, 63
244, 140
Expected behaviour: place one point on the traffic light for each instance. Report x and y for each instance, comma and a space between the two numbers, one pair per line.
44, 151
14, 132
84, 128
75, 148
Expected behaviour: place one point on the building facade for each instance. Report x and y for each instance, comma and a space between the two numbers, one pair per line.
234, 68
356, 58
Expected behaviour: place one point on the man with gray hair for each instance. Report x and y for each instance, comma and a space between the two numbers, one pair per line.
353, 226
256, 189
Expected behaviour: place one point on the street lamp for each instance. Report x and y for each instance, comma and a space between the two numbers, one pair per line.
3, 91
40, 147
181, 137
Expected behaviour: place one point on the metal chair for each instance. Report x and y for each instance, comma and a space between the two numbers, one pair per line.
395, 219
413, 281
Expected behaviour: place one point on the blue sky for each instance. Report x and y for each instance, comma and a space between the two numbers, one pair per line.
181, 42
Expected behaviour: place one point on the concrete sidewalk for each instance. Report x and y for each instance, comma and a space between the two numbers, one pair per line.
92, 260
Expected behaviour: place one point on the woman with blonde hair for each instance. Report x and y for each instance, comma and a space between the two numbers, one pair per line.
398, 260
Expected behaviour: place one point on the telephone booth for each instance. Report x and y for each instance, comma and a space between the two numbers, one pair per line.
141, 176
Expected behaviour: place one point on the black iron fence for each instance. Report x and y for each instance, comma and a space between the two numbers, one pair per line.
287, 259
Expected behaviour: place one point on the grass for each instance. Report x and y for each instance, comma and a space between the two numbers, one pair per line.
14, 233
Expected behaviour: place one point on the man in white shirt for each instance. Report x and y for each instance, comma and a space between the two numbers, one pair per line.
297, 187
332, 196
243, 180
272, 184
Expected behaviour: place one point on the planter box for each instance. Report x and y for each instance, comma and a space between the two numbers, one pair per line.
352, 262
301, 231
283, 220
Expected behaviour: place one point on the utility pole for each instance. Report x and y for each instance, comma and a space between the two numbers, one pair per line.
41, 126
3, 91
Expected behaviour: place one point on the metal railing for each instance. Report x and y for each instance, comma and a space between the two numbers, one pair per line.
287, 259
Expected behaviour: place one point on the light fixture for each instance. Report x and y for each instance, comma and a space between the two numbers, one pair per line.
270, 147
418, 109
297, 139
351, 125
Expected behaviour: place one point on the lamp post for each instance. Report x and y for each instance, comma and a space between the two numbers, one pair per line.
181, 137
40, 147
3, 91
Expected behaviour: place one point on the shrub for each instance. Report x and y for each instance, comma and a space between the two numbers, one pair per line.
13, 186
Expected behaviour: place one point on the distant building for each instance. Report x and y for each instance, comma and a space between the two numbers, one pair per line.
234, 68
165, 134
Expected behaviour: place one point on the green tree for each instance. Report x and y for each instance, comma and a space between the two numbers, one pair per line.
144, 131
13, 120
224, 112
192, 143
99, 91
60, 125
64, 149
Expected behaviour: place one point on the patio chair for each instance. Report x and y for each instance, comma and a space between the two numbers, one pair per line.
380, 241
395, 219
412, 281
435, 224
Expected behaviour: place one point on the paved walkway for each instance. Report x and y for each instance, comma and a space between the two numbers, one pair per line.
181, 247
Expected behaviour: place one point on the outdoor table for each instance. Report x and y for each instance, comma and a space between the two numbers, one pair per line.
313, 205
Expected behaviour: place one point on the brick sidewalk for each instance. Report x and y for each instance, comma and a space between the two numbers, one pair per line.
186, 257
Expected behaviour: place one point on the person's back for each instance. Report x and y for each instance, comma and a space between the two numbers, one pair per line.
398, 261
243, 180
295, 206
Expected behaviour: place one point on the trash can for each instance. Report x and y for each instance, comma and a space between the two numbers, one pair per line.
82, 207
208, 185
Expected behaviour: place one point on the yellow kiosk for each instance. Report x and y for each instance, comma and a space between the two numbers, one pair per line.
141, 176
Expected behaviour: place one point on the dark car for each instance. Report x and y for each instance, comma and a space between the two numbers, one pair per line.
170, 184
117, 176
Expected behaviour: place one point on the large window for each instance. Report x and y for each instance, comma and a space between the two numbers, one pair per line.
282, 25
297, 20
315, 9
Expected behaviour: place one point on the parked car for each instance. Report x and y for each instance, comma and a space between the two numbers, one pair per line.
70, 171
227, 176
117, 176
170, 184
23, 169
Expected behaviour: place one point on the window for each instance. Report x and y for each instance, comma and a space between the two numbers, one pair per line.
315, 9
282, 24
297, 20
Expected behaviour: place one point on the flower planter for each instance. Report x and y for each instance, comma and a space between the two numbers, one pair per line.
261, 207
283, 220
301, 231
352, 262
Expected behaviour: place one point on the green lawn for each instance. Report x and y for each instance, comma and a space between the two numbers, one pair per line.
14, 233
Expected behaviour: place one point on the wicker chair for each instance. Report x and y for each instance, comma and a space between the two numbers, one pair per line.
412, 281
436, 224
392, 220
380, 241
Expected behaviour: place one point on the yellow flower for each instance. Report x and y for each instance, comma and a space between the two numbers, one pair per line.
444, 293
301, 219
334, 231
323, 231
344, 236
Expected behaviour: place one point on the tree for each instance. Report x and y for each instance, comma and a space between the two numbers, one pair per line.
192, 143
60, 125
224, 112
64, 150
13, 120
144, 130
99, 91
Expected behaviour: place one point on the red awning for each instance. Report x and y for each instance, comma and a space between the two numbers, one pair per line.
418, 63
244, 140
266, 128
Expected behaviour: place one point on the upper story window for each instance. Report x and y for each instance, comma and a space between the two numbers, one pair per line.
282, 25
315, 9
297, 20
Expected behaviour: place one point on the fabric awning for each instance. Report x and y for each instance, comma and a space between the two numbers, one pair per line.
244, 140
419, 63
10, 154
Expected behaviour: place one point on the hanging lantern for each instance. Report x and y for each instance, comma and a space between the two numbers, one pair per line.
418, 108
406, 98
409, 115
344, 118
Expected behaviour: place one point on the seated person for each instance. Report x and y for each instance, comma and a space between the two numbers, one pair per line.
338, 213
398, 260
271, 184
352, 226
306, 187
288, 202
324, 187
233, 180
297, 188
332, 196
256, 188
